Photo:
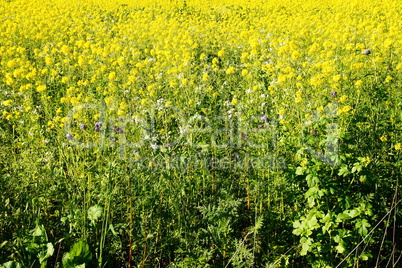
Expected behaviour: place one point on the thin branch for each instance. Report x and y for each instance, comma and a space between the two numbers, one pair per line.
372, 230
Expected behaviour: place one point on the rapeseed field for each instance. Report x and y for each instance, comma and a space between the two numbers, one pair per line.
200, 133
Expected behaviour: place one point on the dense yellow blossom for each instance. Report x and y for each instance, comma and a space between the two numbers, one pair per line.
128, 58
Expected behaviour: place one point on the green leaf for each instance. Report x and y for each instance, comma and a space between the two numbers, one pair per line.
357, 167
342, 216
11, 264
94, 213
362, 227
340, 248
343, 171
298, 230
312, 181
352, 213
112, 229
306, 245
65, 260
39, 234
78, 255
305, 248
81, 249
299, 171
326, 218
366, 256
42, 256
38, 231
313, 223
326, 227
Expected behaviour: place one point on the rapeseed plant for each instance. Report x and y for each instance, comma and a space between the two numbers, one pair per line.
160, 79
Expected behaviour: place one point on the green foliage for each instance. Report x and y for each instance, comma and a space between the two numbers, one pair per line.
204, 158
78, 256
33, 250
11, 264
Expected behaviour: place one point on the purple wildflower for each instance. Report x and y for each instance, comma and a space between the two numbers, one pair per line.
264, 118
69, 136
98, 126
82, 126
367, 52
333, 94
119, 130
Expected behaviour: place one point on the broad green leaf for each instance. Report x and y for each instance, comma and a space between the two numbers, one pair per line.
312, 180
298, 228
66, 259
94, 213
299, 171
313, 223
311, 192
326, 218
341, 217
340, 248
78, 255
38, 231
81, 249
362, 227
352, 213
305, 248
306, 244
43, 255
343, 171
326, 227
296, 224
11, 264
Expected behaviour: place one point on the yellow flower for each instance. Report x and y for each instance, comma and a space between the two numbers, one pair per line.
398, 146
388, 79
343, 98
7, 102
221, 53
41, 88
65, 50
384, 138
65, 79
151, 164
49, 60
64, 119
358, 83
230, 70
336, 78
112, 76
82, 61
345, 109
366, 160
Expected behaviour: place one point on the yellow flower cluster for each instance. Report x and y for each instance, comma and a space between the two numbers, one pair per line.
187, 52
